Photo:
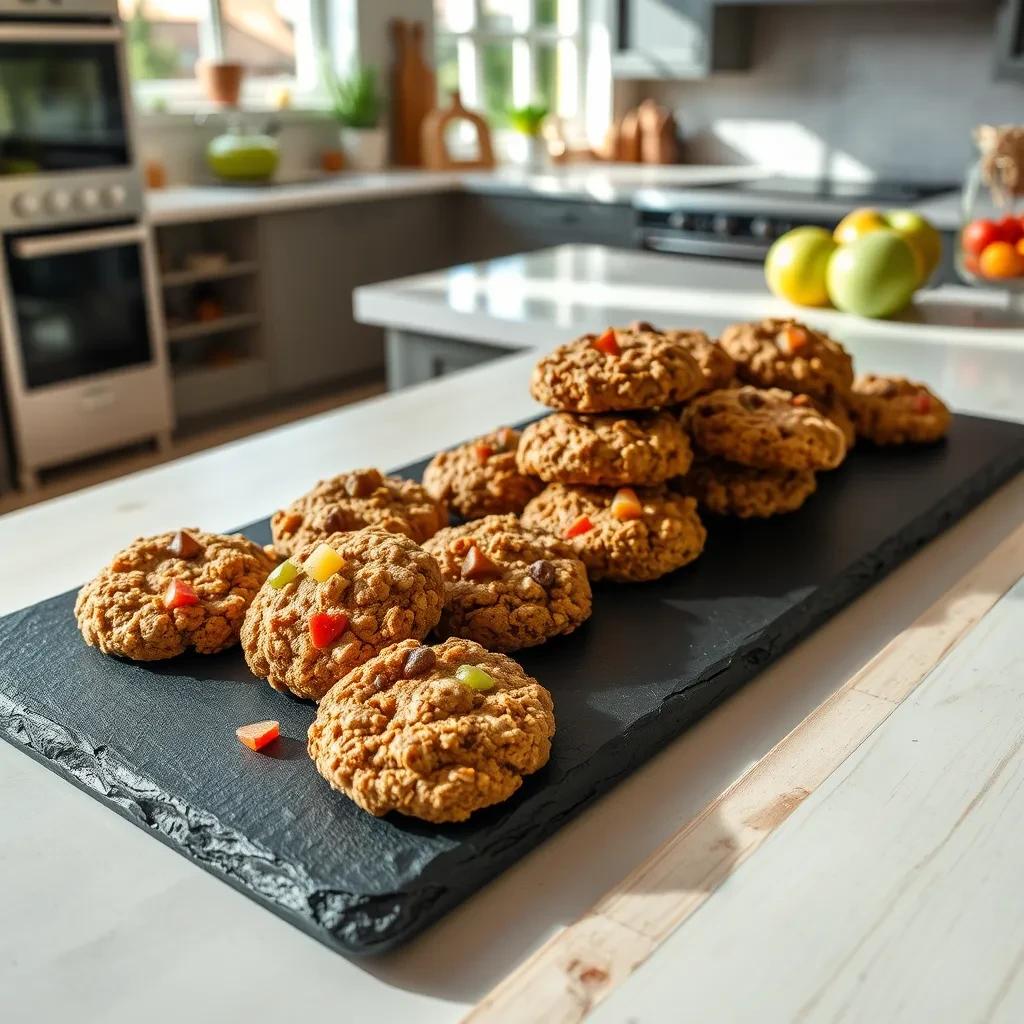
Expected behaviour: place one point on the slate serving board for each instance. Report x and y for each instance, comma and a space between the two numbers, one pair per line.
156, 742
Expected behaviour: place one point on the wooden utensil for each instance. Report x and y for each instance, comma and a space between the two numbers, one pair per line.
413, 92
628, 148
658, 143
436, 154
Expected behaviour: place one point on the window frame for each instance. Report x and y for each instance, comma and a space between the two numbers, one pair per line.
525, 37
306, 85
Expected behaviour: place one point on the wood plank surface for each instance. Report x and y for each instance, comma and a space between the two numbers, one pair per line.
572, 973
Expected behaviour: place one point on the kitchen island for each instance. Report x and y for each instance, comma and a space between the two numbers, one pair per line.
474, 312
104, 923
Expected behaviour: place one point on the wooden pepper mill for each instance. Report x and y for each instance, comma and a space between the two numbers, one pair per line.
413, 92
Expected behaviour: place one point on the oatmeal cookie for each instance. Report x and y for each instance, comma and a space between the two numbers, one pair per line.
616, 371
767, 429
162, 595
480, 478
432, 732
715, 363
507, 586
729, 489
894, 410
837, 410
350, 501
611, 449
625, 535
788, 354
336, 603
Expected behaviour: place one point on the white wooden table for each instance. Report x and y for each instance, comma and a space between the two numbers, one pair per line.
889, 892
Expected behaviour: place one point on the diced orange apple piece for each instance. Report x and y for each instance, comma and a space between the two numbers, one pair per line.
626, 505
258, 735
580, 525
608, 343
323, 563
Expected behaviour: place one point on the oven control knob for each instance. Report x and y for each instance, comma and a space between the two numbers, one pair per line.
87, 199
114, 195
26, 204
724, 225
58, 201
761, 227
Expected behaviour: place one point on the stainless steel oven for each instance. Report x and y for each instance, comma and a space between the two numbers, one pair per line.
83, 353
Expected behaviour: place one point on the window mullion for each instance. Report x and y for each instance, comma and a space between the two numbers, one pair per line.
211, 32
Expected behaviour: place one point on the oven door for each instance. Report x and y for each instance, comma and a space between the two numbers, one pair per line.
81, 301
63, 98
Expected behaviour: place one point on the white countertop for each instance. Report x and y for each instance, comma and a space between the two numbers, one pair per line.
539, 299
130, 927
606, 183
700, 185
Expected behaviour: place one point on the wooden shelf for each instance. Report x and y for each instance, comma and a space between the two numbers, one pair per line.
204, 328
182, 278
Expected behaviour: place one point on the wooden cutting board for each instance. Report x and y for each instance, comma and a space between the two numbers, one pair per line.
436, 153
413, 92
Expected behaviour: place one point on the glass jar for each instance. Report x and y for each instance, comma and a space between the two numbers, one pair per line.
990, 246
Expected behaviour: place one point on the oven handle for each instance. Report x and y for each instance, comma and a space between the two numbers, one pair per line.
657, 242
77, 241
30, 32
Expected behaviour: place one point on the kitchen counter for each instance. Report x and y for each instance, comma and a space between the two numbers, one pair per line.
603, 183
101, 922
536, 300
598, 183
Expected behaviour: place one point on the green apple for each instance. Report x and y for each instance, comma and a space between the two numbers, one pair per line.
873, 276
922, 238
237, 156
796, 264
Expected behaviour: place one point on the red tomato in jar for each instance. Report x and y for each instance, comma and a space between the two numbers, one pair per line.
1010, 229
978, 234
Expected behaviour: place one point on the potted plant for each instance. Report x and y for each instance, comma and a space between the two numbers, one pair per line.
527, 123
355, 102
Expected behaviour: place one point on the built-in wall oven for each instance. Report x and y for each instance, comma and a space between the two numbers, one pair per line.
84, 357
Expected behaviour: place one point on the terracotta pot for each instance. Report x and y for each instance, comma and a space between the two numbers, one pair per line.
221, 80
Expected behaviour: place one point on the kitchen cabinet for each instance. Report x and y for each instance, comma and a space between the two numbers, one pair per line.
414, 357
312, 261
492, 225
1010, 40
677, 38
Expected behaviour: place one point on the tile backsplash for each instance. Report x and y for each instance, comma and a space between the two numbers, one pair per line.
854, 90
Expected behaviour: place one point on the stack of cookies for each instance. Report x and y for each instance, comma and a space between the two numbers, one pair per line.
364, 566
608, 450
761, 439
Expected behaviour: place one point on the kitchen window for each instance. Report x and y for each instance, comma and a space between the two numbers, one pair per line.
510, 53
276, 40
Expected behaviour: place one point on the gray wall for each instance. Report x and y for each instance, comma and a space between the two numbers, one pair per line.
856, 90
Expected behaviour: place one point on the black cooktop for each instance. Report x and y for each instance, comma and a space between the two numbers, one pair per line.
829, 188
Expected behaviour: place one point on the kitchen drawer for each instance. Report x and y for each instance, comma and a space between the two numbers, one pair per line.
204, 391
494, 225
